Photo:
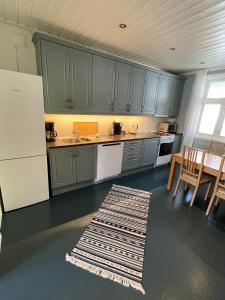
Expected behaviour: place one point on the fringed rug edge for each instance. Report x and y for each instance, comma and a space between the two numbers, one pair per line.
104, 273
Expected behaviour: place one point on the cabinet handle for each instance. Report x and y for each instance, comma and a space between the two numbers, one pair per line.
71, 104
142, 107
68, 104
128, 106
112, 106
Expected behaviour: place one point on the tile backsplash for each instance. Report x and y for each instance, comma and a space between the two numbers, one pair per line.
64, 124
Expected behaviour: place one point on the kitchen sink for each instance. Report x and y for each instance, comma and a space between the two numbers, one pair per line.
69, 140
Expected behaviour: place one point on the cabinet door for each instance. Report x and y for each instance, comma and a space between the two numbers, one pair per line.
166, 86
63, 166
86, 162
150, 92
177, 143
55, 72
131, 155
150, 151
122, 85
80, 80
103, 83
136, 89
176, 97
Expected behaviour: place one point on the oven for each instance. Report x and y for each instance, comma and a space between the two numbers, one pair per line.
165, 149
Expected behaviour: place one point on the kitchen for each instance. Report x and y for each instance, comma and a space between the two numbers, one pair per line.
76, 122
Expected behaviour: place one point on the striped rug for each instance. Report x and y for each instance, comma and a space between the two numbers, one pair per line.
113, 244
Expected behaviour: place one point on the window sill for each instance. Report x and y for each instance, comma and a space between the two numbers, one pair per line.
210, 138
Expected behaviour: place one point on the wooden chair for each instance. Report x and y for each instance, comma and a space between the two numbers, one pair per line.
191, 171
216, 148
219, 189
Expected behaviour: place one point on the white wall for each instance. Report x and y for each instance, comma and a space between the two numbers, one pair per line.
17, 51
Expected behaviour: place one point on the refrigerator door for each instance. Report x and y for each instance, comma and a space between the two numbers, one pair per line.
23, 181
22, 130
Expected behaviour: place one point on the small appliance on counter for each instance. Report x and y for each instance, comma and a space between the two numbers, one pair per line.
117, 128
51, 134
167, 127
134, 129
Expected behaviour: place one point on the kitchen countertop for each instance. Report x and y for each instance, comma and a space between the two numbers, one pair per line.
103, 139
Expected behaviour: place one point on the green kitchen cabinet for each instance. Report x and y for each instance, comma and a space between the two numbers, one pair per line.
122, 87
177, 143
86, 162
72, 165
177, 92
150, 151
131, 155
103, 84
150, 92
166, 85
80, 80
62, 166
55, 72
136, 89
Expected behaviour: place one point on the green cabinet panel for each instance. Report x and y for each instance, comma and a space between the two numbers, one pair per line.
150, 92
55, 72
80, 80
164, 96
131, 155
86, 162
103, 84
63, 167
150, 151
136, 89
122, 86
177, 92
177, 143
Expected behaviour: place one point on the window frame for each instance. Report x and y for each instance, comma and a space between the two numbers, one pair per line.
221, 118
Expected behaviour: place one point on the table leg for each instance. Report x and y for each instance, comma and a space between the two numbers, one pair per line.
170, 179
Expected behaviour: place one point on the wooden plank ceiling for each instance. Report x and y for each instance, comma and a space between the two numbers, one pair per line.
195, 28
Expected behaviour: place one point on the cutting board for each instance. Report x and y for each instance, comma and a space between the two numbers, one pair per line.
86, 128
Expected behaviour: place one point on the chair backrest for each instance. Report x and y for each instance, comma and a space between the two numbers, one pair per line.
216, 148
218, 179
192, 161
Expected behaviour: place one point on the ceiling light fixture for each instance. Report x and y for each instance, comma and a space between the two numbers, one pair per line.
202, 62
172, 49
123, 26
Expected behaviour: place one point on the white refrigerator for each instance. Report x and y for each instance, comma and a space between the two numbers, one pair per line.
23, 159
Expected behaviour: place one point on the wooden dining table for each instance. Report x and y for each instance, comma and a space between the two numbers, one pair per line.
211, 165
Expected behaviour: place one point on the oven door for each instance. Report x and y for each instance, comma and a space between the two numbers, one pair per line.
165, 149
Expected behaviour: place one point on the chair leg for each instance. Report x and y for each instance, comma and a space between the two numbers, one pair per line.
210, 204
217, 201
207, 192
178, 182
194, 195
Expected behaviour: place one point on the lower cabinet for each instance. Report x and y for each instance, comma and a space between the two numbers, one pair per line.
131, 155
177, 143
71, 165
140, 153
149, 151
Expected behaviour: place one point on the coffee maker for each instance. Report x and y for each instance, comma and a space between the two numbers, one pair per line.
51, 134
117, 128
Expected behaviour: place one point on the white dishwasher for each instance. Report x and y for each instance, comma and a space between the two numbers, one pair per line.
109, 160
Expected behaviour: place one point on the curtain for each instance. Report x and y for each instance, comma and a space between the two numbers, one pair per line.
194, 107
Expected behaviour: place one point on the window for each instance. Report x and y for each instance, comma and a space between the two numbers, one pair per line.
212, 120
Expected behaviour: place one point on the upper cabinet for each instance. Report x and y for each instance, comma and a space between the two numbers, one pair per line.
55, 72
150, 92
80, 80
103, 84
177, 91
169, 96
122, 87
136, 89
